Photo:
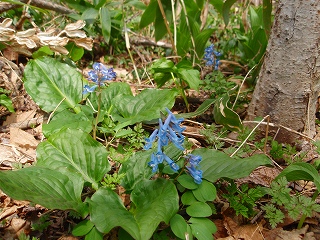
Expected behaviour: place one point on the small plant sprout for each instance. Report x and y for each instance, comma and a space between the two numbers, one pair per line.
171, 131
212, 57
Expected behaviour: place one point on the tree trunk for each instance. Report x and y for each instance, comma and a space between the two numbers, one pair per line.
288, 84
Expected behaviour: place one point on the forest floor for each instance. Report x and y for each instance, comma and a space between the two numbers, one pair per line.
20, 133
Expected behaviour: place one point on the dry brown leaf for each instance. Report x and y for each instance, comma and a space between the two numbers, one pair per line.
22, 138
7, 212
296, 234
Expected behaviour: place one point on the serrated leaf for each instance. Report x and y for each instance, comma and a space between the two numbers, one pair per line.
199, 209
105, 21
205, 192
155, 201
136, 169
48, 187
76, 151
144, 107
301, 171
225, 115
202, 228
53, 84
216, 164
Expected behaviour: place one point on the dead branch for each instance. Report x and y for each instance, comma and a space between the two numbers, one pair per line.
37, 3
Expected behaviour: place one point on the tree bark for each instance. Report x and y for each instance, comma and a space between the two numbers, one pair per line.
288, 84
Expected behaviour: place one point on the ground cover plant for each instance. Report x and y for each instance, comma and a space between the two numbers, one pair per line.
121, 161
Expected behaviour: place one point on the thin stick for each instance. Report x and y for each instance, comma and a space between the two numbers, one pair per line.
266, 136
241, 145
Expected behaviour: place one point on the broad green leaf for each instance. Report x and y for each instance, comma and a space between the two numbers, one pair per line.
53, 84
190, 76
107, 94
90, 15
226, 9
82, 228
159, 25
162, 65
136, 169
105, 21
143, 107
76, 151
94, 234
201, 40
218, 5
225, 115
75, 52
149, 14
199, 209
205, 192
255, 20
107, 211
187, 181
67, 119
155, 201
216, 164
301, 171
202, 228
6, 101
45, 186
43, 51
188, 198
179, 226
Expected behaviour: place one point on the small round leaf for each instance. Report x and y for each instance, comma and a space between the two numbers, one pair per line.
187, 182
205, 192
178, 226
199, 209
188, 198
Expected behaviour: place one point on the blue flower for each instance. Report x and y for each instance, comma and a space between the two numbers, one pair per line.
171, 163
212, 57
195, 173
150, 140
88, 89
194, 159
99, 74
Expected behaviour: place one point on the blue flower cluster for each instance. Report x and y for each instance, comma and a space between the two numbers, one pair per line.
171, 131
99, 74
212, 57
193, 163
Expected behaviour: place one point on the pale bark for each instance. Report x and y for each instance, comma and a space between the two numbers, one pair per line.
288, 84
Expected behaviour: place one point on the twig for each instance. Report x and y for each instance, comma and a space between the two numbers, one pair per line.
37, 3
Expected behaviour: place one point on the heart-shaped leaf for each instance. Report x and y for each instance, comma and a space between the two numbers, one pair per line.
76, 151
155, 201
216, 164
48, 187
53, 84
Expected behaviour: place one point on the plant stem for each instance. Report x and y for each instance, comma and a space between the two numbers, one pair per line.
98, 115
304, 216
183, 94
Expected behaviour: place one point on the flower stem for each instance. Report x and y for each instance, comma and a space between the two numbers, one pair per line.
98, 115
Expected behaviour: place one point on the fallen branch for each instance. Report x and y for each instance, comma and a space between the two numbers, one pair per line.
37, 3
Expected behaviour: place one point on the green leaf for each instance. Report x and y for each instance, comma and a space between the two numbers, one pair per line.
226, 9
218, 5
94, 234
105, 21
155, 201
75, 52
136, 169
77, 152
67, 119
301, 171
179, 226
201, 40
190, 76
199, 209
90, 15
216, 164
82, 228
143, 107
187, 181
188, 198
53, 84
225, 115
48, 187
200, 110
205, 192
202, 228
43, 51
162, 65
149, 14
266, 14
107, 94
6, 101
